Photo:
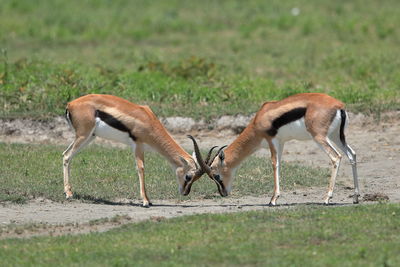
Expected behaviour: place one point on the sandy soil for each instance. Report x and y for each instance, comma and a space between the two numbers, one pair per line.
377, 146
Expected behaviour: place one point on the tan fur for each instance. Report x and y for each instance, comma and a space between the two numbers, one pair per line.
319, 115
320, 112
141, 122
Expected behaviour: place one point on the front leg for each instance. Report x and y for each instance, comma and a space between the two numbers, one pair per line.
139, 157
326, 145
276, 149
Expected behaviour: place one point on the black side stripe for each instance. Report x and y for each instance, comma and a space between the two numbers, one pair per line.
286, 118
114, 122
342, 124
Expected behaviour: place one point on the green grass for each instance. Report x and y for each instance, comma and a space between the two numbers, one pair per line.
201, 59
106, 174
303, 236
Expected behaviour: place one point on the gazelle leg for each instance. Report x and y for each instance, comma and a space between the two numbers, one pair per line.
68, 154
276, 149
69, 148
335, 156
139, 157
351, 155
353, 161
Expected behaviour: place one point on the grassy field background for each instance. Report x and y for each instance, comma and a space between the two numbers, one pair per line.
197, 58
101, 174
201, 59
364, 235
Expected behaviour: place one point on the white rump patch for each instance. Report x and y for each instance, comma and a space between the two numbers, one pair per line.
334, 128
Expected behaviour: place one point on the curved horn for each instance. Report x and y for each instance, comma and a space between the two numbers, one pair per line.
206, 168
200, 171
209, 155
219, 150
203, 165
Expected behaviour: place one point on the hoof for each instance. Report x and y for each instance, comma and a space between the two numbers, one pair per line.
147, 204
327, 201
273, 200
68, 195
355, 199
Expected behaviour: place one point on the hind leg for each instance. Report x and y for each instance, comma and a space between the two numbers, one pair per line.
353, 161
351, 155
80, 142
326, 145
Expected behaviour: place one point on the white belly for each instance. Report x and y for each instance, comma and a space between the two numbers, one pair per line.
105, 131
294, 130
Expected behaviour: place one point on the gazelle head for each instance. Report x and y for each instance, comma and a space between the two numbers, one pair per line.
190, 172
187, 174
216, 168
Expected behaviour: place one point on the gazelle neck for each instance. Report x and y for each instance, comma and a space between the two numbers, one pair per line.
242, 147
166, 146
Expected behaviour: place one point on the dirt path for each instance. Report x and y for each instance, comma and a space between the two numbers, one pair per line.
377, 147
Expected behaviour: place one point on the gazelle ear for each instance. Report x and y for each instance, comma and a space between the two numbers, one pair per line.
221, 156
184, 162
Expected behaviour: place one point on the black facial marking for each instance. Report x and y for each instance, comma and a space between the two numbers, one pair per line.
221, 187
220, 184
342, 124
187, 186
286, 118
114, 122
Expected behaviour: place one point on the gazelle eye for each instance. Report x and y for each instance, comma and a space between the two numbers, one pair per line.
217, 177
188, 177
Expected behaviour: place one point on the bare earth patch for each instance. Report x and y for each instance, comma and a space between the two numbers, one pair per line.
378, 154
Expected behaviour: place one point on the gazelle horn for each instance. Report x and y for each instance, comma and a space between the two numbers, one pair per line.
204, 167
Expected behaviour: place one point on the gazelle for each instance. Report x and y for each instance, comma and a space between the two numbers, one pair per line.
117, 119
305, 116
